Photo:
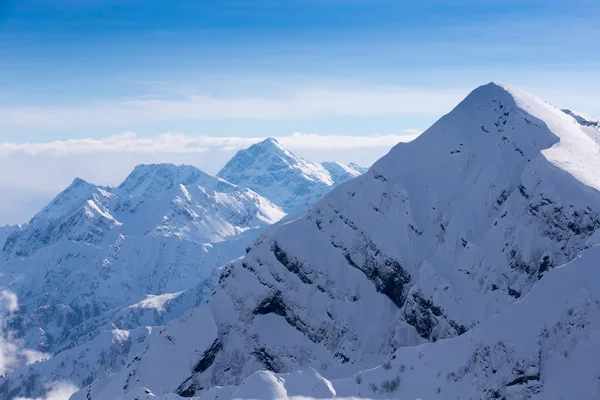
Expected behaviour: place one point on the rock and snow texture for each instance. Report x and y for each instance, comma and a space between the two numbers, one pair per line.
291, 182
98, 259
165, 229
544, 347
435, 239
584, 119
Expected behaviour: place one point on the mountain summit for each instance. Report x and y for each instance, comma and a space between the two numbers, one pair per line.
92, 249
99, 264
291, 182
438, 237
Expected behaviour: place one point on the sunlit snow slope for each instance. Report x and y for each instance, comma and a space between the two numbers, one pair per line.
435, 239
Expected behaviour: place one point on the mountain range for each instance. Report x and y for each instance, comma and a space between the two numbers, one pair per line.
460, 265
98, 264
289, 181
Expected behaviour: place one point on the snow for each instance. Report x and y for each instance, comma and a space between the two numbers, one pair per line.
99, 263
341, 172
461, 265
432, 275
156, 302
97, 258
291, 182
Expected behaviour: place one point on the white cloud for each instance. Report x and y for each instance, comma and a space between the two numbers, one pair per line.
8, 301
292, 104
55, 391
179, 143
39, 171
8, 349
12, 355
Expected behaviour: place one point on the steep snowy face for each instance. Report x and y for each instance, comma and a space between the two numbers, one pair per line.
165, 229
79, 214
5, 232
543, 347
287, 180
200, 207
438, 236
164, 200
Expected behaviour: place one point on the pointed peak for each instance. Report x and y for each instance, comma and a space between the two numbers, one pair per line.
491, 89
78, 182
271, 140
268, 143
267, 151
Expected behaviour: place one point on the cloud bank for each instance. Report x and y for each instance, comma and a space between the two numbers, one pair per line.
179, 143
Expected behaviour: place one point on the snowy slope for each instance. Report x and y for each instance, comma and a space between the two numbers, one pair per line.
105, 343
287, 180
542, 347
5, 231
438, 236
98, 260
165, 229
584, 119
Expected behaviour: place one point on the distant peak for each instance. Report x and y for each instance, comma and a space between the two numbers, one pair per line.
168, 169
78, 182
268, 143
161, 176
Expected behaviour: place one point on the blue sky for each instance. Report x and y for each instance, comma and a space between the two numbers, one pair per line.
73, 68
91, 88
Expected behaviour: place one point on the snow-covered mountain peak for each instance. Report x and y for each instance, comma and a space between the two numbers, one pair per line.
269, 155
514, 130
149, 179
269, 144
77, 193
438, 236
286, 179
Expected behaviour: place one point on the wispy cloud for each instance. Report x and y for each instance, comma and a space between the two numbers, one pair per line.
129, 142
55, 391
292, 104
12, 355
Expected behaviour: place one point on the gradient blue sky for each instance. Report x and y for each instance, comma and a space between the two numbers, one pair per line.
90, 88
96, 68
